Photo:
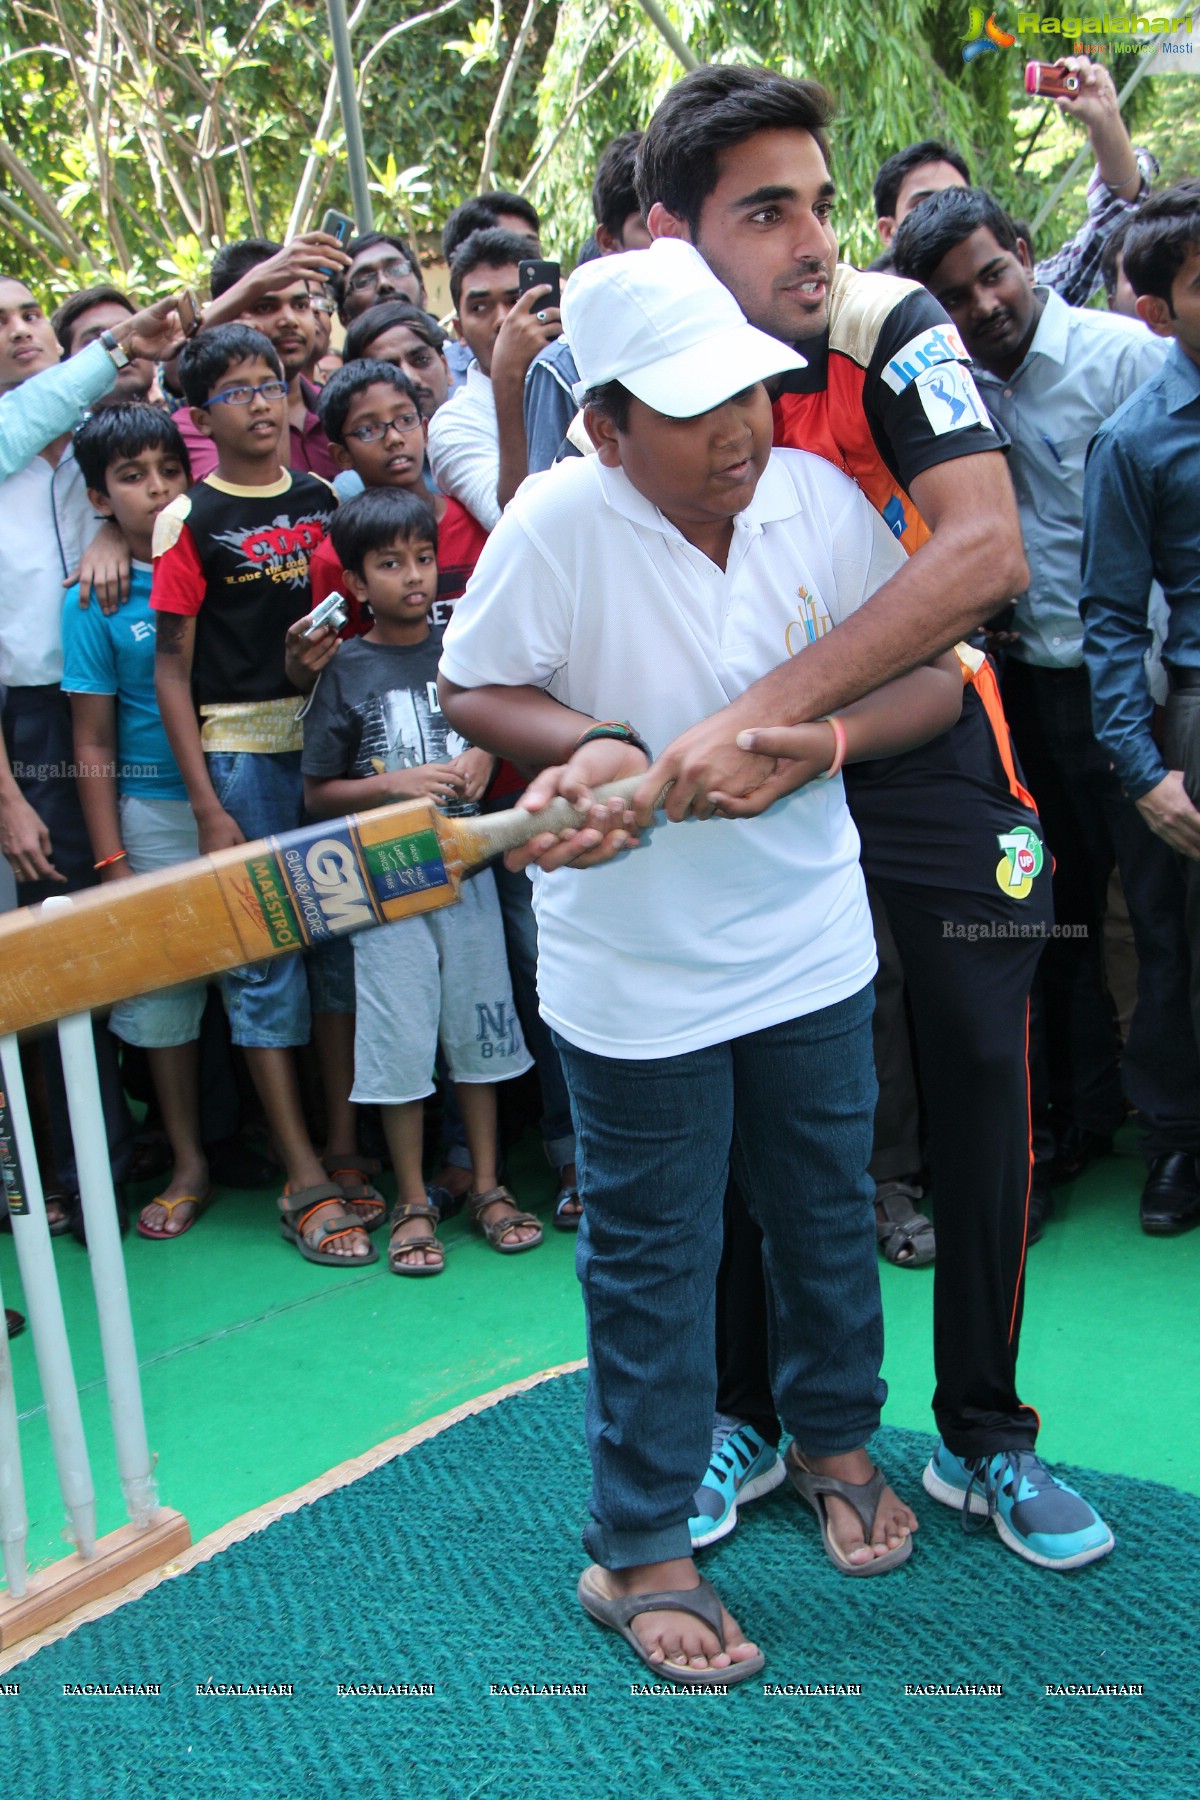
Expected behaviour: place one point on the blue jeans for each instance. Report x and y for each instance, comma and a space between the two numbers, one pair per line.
267, 1002
790, 1111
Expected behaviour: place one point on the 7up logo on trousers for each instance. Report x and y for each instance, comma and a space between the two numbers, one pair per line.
1020, 862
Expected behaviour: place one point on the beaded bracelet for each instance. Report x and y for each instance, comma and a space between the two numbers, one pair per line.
839, 748
106, 862
619, 729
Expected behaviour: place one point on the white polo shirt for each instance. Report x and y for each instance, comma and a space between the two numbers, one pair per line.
718, 927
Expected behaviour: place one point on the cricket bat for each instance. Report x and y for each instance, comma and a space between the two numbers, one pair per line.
242, 905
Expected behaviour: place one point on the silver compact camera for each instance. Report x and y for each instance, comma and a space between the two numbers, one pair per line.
334, 611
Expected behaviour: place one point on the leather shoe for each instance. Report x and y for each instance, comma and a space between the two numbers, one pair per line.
1171, 1196
1075, 1150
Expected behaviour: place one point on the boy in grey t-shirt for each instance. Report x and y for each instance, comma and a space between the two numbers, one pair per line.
374, 733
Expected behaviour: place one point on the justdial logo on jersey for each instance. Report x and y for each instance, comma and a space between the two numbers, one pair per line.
935, 360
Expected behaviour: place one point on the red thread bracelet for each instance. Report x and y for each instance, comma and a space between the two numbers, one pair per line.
107, 861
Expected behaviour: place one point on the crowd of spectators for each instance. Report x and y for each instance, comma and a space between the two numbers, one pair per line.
174, 511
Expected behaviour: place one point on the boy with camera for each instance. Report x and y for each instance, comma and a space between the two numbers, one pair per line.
374, 733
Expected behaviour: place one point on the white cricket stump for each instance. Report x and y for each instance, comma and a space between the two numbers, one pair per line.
155, 1534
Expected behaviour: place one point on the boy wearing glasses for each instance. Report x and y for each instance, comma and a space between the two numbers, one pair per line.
274, 290
372, 418
230, 576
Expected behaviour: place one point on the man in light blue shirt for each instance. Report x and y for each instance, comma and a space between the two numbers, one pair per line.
1051, 375
45, 523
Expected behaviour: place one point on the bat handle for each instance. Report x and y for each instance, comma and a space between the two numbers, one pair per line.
509, 830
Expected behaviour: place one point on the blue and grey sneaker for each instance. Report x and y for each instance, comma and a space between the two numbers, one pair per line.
743, 1467
1036, 1515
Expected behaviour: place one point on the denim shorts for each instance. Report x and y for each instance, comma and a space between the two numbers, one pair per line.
157, 834
267, 1002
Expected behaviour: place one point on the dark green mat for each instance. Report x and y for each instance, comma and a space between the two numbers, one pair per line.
456, 1565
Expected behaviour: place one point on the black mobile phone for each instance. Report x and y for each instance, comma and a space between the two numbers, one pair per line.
536, 273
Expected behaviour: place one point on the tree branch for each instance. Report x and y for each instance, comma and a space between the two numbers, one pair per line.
668, 33
395, 31
504, 93
58, 228
577, 103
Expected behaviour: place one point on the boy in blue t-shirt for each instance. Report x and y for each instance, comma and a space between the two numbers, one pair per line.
134, 801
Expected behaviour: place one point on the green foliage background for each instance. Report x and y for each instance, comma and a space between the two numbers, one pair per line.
133, 137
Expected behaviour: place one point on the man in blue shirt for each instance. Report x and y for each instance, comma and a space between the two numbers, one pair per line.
550, 404
1051, 375
1142, 522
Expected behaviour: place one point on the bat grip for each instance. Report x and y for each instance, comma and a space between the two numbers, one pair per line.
509, 830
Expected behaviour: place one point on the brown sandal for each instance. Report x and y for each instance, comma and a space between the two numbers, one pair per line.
296, 1207
401, 1214
352, 1174
496, 1230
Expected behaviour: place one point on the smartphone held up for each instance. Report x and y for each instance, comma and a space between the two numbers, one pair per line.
534, 272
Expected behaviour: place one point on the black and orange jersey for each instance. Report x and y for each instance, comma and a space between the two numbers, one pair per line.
887, 394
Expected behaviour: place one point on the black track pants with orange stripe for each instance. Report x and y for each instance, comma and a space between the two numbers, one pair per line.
969, 941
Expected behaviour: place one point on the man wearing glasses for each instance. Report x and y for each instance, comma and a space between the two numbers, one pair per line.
273, 288
381, 267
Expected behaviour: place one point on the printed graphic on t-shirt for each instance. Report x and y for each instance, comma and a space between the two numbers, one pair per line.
279, 551
937, 344
404, 728
1021, 861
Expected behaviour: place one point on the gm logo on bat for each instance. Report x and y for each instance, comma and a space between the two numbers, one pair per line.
340, 890
327, 887
323, 880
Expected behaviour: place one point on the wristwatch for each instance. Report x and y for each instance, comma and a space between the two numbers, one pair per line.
119, 357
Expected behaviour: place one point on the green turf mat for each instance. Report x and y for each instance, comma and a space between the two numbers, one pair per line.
291, 1370
455, 1566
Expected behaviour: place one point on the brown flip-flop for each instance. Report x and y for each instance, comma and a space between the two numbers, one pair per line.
701, 1602
863, 1496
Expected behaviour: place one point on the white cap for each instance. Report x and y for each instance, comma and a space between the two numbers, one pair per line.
659, 322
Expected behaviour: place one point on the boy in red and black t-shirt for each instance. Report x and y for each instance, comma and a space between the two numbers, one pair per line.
230, 576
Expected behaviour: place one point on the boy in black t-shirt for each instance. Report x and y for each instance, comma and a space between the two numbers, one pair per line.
374, 733
230, 576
